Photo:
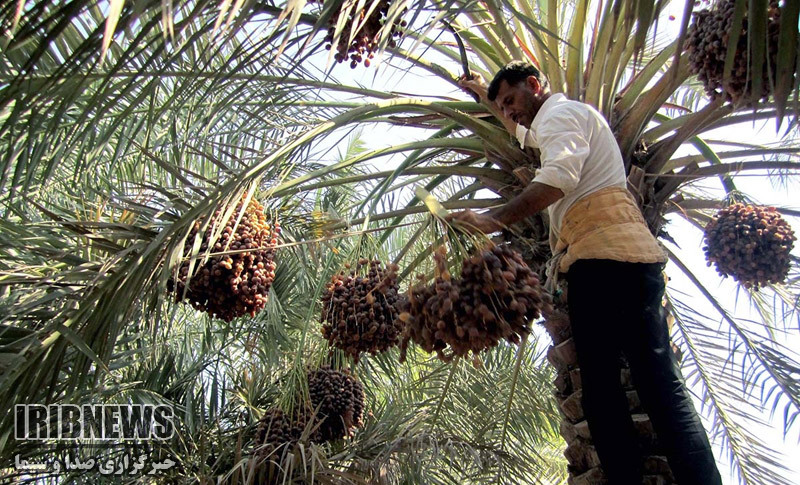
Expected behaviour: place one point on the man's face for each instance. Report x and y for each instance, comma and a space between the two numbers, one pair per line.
518, 102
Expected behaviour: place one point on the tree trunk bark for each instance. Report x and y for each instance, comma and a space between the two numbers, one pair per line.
584, 465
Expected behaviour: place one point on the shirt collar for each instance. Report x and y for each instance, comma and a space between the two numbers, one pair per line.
549, 104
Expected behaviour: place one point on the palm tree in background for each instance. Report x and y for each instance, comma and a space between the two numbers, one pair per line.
122, 123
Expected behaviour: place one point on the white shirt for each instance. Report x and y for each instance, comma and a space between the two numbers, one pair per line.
579, 153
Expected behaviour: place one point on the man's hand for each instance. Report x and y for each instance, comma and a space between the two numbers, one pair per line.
473, 222
475, 85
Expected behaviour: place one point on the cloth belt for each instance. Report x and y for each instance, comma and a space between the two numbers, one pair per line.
606, 224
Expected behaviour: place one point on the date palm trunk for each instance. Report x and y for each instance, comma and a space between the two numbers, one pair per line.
584, 465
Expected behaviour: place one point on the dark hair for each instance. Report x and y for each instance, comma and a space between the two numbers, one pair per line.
513, 73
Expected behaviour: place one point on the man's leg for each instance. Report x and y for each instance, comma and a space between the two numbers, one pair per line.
593, 297
660, 386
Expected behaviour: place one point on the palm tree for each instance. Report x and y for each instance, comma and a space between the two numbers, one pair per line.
122, 126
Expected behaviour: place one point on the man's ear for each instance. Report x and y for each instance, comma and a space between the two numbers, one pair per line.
534, 84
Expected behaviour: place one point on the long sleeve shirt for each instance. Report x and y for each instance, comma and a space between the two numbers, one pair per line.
579, 154
597, 218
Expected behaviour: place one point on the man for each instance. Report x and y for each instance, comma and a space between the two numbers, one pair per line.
614, 274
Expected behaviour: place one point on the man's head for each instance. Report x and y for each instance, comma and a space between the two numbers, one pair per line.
519, 89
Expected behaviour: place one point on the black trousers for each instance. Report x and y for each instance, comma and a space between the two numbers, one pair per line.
614, 308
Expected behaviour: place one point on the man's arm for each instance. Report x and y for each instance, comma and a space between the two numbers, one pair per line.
536, 197
533, 199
